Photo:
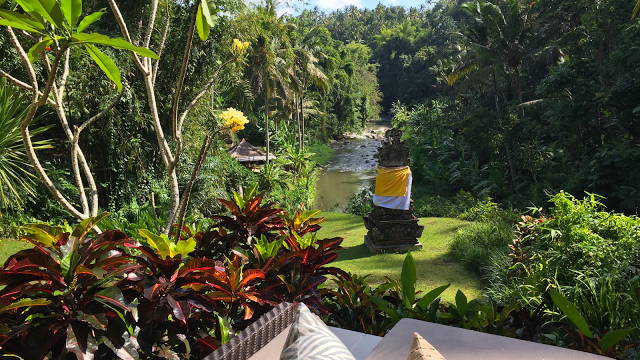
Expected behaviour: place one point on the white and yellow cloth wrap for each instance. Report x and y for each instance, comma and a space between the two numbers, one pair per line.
393, 188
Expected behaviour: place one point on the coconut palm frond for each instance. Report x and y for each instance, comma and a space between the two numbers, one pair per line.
16, 179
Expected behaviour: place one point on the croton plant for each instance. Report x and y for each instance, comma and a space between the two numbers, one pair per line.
105, 296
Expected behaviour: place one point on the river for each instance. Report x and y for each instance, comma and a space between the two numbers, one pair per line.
351, 169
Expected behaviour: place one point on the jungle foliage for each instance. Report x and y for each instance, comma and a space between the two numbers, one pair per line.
511, 99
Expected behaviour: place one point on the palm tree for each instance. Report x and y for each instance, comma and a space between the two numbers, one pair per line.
500, 37
307, 51
15, 178
504, 36
268, 66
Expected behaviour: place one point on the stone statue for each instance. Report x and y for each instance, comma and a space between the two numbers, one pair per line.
392, 225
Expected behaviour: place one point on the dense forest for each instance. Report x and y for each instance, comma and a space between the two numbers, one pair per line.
501, 99
507, 98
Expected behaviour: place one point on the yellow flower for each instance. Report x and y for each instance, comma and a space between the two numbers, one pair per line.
238, 46
234, 119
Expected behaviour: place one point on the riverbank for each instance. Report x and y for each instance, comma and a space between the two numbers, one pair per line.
322, 153
434, 266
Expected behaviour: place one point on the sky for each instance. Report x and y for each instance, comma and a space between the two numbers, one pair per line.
331, 5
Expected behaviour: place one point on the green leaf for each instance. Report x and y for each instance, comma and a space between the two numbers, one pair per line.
95, 38
431, 295
208, 11
202, 25
571, 312
68, 264
83, 228
71, 9
48, 9
239, 200
42, 233
461, 303
183, 247
17, 25
159, 243
613, 338
106, 64
98, 218
384, 306
21, 18
408, 280
224, 331
25, 303
88, 20
112, 295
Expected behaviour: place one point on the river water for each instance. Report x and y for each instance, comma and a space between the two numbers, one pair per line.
351, 169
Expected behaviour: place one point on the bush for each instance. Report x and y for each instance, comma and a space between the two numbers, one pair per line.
487, 211
95, 296
580, 237
464, 206
360, 203
474, 245
581, 255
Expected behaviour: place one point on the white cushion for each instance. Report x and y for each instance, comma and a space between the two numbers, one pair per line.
310, 339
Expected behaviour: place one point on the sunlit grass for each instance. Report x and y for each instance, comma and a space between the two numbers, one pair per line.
9, 247
434, 267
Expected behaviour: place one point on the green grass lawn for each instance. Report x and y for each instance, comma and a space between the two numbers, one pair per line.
434, 267
9, 247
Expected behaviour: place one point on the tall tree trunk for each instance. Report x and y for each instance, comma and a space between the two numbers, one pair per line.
302, 121
266, 120
517, 71
495, 93
298, 118
186, 195
506, 146
275, 122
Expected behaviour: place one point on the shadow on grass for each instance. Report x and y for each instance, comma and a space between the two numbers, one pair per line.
354, 252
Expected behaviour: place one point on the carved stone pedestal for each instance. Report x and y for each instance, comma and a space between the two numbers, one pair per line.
392, 230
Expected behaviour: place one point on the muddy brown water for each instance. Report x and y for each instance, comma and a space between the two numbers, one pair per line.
352, 168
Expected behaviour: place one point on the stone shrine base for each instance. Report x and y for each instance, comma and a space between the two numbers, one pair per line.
375, 249
392, 230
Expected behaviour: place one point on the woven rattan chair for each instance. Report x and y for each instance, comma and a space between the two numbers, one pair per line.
257, 335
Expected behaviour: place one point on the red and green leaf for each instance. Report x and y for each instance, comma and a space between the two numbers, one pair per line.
113, 296
81, 342
181, 309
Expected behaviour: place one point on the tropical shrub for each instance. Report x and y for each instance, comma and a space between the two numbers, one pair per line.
113, 296
576, 266
580, 335
577, 241
360, 203
248, 219
63, 296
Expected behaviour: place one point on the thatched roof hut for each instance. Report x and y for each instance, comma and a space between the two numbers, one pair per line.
247, 153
